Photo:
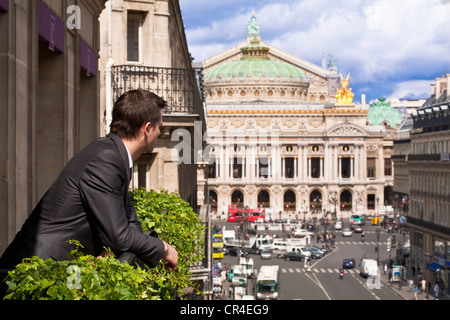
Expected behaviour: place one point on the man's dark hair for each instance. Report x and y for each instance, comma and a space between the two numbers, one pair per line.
133, 109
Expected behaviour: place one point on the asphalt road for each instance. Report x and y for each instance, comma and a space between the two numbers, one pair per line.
321, 281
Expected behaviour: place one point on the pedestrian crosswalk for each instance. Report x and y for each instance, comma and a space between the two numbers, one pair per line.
317, 270
372, 243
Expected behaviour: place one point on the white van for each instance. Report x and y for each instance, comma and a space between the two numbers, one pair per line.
369, 267
279, 245
303, 251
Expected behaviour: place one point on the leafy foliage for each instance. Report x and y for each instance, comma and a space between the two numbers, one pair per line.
104, 278
171, 219
83, 278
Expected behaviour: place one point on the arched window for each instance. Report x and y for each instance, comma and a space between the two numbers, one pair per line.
237, 198
346, 200
263, 199
289, 201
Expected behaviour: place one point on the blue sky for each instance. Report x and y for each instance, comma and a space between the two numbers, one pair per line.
391, 48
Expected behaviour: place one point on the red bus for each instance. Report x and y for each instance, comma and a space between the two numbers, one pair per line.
242, 214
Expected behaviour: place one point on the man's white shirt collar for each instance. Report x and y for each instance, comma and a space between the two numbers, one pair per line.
130, 159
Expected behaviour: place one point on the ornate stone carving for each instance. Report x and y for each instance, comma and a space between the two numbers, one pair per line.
315, 123
224, 124
347, 130
251, 124
372, 149
276, 124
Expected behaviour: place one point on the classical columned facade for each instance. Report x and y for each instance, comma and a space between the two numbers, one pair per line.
280, 138
312, 163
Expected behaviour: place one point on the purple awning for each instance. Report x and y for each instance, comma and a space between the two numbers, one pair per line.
88, 59
51, 28
4, 5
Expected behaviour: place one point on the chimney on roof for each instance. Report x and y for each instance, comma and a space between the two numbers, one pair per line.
448, 85
438, 87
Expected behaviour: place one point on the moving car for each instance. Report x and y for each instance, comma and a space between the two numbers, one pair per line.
293, 255
347, 232
266, 254
238, 252
302, 232
348, 263
338, 225
316, 253
369, 267
358, 229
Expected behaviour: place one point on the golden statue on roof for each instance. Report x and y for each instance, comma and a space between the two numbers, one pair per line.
344, 95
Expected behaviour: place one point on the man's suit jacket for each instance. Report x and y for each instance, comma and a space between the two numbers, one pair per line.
88, 202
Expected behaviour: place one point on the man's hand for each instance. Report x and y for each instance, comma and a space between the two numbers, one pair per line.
171, 256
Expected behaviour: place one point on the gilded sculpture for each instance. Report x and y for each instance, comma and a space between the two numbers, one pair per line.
344, 95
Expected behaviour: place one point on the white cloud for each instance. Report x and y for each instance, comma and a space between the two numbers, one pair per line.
375, 41
413, 89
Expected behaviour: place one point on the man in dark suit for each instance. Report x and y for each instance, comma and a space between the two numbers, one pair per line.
89, 201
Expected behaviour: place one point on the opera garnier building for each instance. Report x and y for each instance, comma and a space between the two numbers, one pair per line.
284, 134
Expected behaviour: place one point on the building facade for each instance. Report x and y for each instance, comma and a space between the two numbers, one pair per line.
428, 165
144, 47
50, 96
285, 134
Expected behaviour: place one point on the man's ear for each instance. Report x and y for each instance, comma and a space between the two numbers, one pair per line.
147, 128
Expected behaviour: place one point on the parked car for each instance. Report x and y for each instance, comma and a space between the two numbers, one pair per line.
315, 253
238, 252
266, 254
293, 255
347, 232
348, 263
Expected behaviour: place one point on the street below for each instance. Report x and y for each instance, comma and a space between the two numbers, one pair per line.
321, 281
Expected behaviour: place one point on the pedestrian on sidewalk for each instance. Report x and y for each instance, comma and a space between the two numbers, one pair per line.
424, 285
436, 290
415, 291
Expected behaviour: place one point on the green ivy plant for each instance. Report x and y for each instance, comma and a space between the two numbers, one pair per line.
86, 277
83, 278
166, 216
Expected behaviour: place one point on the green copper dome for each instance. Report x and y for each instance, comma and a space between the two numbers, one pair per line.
255, 62
256, 68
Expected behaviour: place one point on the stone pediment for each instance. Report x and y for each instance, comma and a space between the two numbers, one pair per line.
347, 130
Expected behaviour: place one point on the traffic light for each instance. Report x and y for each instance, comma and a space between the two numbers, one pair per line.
376, 249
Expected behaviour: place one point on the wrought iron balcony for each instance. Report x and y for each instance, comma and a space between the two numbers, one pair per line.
181, 88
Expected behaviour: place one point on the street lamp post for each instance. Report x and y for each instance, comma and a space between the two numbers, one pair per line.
378, 230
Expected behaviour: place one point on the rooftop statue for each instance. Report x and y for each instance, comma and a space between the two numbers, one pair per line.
382, 111
344, 95
253, 27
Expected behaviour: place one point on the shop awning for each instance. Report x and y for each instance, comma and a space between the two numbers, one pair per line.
435, 267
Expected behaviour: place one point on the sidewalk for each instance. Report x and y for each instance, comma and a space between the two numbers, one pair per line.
406, 291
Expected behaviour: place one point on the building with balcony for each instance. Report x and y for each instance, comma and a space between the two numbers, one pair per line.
283, 136
143, 46
428, 165
50, 98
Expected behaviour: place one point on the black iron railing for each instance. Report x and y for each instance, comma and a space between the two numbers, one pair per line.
181, 88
